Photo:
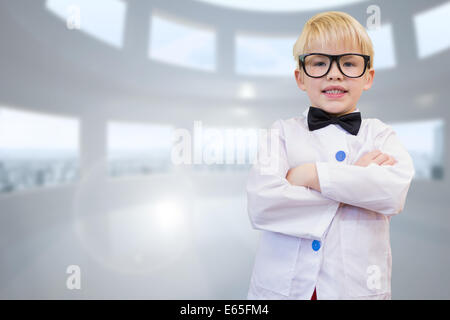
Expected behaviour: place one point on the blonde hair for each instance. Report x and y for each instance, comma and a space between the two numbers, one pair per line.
333, 27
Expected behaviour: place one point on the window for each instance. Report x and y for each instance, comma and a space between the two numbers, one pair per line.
424, 141
432, 30
102, 19
182, 43
383, 45
280, 5
32, 155
138, 149
263, 55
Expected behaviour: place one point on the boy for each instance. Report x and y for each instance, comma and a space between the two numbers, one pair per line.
335, 180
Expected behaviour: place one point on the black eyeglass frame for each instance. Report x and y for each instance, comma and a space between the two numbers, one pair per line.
333, 57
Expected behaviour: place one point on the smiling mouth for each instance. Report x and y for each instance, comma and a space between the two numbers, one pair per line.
334, 91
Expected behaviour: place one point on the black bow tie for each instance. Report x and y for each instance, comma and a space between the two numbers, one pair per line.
317, 118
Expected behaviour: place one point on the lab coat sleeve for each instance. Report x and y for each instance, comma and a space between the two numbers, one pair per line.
382, 189
276, 205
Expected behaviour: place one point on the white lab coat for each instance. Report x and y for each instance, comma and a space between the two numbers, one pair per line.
347, 223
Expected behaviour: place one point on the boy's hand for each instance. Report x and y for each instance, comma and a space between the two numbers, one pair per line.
377, 157
304, 175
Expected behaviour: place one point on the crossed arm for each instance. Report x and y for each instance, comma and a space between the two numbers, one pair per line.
306, 174
303, 200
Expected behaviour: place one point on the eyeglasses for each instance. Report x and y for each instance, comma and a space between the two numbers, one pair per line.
317, 65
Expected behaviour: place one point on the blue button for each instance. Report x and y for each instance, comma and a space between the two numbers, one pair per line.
340, 155
316, 245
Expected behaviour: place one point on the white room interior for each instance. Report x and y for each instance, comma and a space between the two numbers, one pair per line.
86, 122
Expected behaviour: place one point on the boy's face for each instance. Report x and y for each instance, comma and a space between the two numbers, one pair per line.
314, 87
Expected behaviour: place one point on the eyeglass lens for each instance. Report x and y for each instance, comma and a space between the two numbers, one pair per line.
351, 65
